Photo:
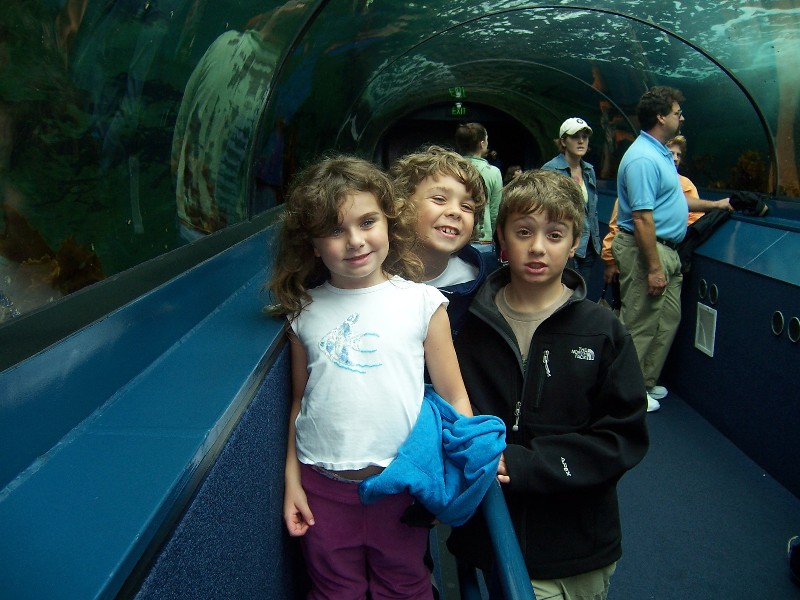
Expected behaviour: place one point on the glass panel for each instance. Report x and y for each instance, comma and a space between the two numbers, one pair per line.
127, 129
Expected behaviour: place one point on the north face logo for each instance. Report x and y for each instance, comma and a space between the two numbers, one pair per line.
583, 353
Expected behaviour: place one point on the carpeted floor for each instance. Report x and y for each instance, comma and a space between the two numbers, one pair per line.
702, 521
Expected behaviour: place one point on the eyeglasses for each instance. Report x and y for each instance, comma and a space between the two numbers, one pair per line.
678, 113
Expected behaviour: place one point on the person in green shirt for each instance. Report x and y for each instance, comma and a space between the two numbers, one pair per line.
472, 142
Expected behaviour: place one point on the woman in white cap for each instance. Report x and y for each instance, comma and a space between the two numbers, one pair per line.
573, 143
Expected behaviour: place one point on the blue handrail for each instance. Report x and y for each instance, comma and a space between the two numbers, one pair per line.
510, 567
510, 575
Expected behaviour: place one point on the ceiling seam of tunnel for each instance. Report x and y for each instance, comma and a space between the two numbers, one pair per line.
259, 129
762, 119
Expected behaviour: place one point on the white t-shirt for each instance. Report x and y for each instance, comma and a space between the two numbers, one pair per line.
366, 371
457, 271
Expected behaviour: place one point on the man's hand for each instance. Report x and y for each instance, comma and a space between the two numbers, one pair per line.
656, 283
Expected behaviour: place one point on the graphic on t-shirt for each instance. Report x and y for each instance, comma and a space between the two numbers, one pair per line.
343, 346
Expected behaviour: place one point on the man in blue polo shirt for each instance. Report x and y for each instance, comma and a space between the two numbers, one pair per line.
652, 219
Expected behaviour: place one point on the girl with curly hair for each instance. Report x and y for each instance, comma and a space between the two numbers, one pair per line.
361, 335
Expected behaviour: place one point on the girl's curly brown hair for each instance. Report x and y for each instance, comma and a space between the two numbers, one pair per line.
312, 209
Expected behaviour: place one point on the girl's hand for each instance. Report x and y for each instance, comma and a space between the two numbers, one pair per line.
296, 513
502, 473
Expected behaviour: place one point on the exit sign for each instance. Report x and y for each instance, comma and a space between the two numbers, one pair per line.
458, 110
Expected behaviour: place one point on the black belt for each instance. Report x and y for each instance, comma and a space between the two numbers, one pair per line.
667, 243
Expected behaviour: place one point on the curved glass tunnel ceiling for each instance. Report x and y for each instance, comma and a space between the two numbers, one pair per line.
543, 64
734, 60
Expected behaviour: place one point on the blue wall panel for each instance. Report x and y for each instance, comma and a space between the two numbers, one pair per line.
71, 380
748, 390
82, 516
231, 542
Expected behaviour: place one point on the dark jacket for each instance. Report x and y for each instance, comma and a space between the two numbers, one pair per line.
460, 295
580, 426
697, 233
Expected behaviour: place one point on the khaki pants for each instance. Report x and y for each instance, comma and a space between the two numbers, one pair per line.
651, 320
586, 586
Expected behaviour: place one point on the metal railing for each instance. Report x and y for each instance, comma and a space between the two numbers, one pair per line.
509, 566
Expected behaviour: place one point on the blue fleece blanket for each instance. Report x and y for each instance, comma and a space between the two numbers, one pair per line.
447, 462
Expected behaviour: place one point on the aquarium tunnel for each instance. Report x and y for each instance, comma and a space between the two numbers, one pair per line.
145, 150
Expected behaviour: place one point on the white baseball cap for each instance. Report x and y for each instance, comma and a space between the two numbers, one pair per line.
572, 126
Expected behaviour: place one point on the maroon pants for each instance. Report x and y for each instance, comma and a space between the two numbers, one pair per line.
353, 548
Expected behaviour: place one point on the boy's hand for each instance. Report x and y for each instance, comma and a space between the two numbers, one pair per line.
296, 513
502, 473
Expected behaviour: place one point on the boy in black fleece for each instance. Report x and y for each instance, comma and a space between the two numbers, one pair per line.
565, 378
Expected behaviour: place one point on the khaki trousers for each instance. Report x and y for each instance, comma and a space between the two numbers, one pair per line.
586, 586
651, 320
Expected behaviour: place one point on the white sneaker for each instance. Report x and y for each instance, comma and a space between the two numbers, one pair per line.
657, 392
652, 404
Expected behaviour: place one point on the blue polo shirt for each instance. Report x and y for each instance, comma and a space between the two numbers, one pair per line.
648, 180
